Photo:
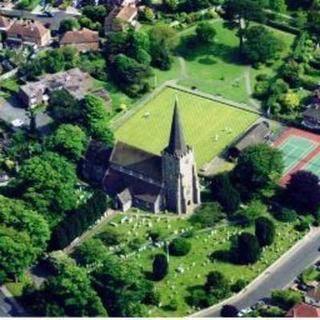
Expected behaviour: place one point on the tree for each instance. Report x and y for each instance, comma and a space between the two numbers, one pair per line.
205, 32
47, 182
122, 287
290, 101
259, 166
245, 249
223, 192
229, 311
265, 231
170, 5
69, 24
95, 13
162, 33
53, 61
160, 267
16, 252
179, 247
286, 298
261, 45
63, 107
69, 293
303, 192
69, 140
243, 11
97, 119
278, 6
130, 75
15, 214
217, 286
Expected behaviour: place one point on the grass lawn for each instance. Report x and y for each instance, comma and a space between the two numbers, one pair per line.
216, 69
202, 120
196, 264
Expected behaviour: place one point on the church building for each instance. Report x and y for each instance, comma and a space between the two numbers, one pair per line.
137, 178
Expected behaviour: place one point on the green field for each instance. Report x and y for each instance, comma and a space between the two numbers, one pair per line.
203, 121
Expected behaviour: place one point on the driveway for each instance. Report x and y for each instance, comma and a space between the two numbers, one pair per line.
278, 276
12, 109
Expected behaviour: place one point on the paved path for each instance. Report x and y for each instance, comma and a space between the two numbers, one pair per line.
9, 307
277, 276
247, 82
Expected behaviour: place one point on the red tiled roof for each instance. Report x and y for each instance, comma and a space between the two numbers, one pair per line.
303, 310
80, 36
4, 22
28, 29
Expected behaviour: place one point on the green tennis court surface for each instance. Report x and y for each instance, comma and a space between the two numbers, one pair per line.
314, 165
294, 150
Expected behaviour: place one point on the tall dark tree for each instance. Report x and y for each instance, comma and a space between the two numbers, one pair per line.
160, 267
265, 231
303, 192
245, 249
223, 192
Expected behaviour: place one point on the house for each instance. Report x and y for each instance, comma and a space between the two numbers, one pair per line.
28, 33
121, 3
311, 117
303, 310
5, 24
74, 80
83, 40
153, 182
258, 133
120, 18
313, 296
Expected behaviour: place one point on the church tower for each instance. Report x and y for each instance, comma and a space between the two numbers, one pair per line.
181, 184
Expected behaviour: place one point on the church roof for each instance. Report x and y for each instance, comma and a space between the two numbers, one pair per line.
118, 183
137, 160
177, 145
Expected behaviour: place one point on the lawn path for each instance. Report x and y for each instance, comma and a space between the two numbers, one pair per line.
247, 81
183, 69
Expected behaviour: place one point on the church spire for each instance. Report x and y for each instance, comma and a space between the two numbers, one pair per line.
177, 145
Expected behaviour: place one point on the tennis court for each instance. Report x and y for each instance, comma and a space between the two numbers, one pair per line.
313, 165
301, 151
295, 149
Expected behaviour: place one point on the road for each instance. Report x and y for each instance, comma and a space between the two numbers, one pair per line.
278, 276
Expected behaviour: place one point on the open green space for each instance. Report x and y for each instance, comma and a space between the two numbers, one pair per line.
216, 68
204, 122
136, 227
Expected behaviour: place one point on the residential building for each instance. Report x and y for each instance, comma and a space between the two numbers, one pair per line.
28, 33
74, 80
153, 182
5, 24
120, 18
83, 40
311, 117
313, 296
303, 310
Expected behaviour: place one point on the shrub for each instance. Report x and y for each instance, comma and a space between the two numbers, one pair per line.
179, 247
229, 311
286, 299
110, 237
160, 267
198, 298
265, 231
238, 285
286, 215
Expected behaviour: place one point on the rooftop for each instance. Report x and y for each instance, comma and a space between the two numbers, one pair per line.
27, 28
303, 310
80, 36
